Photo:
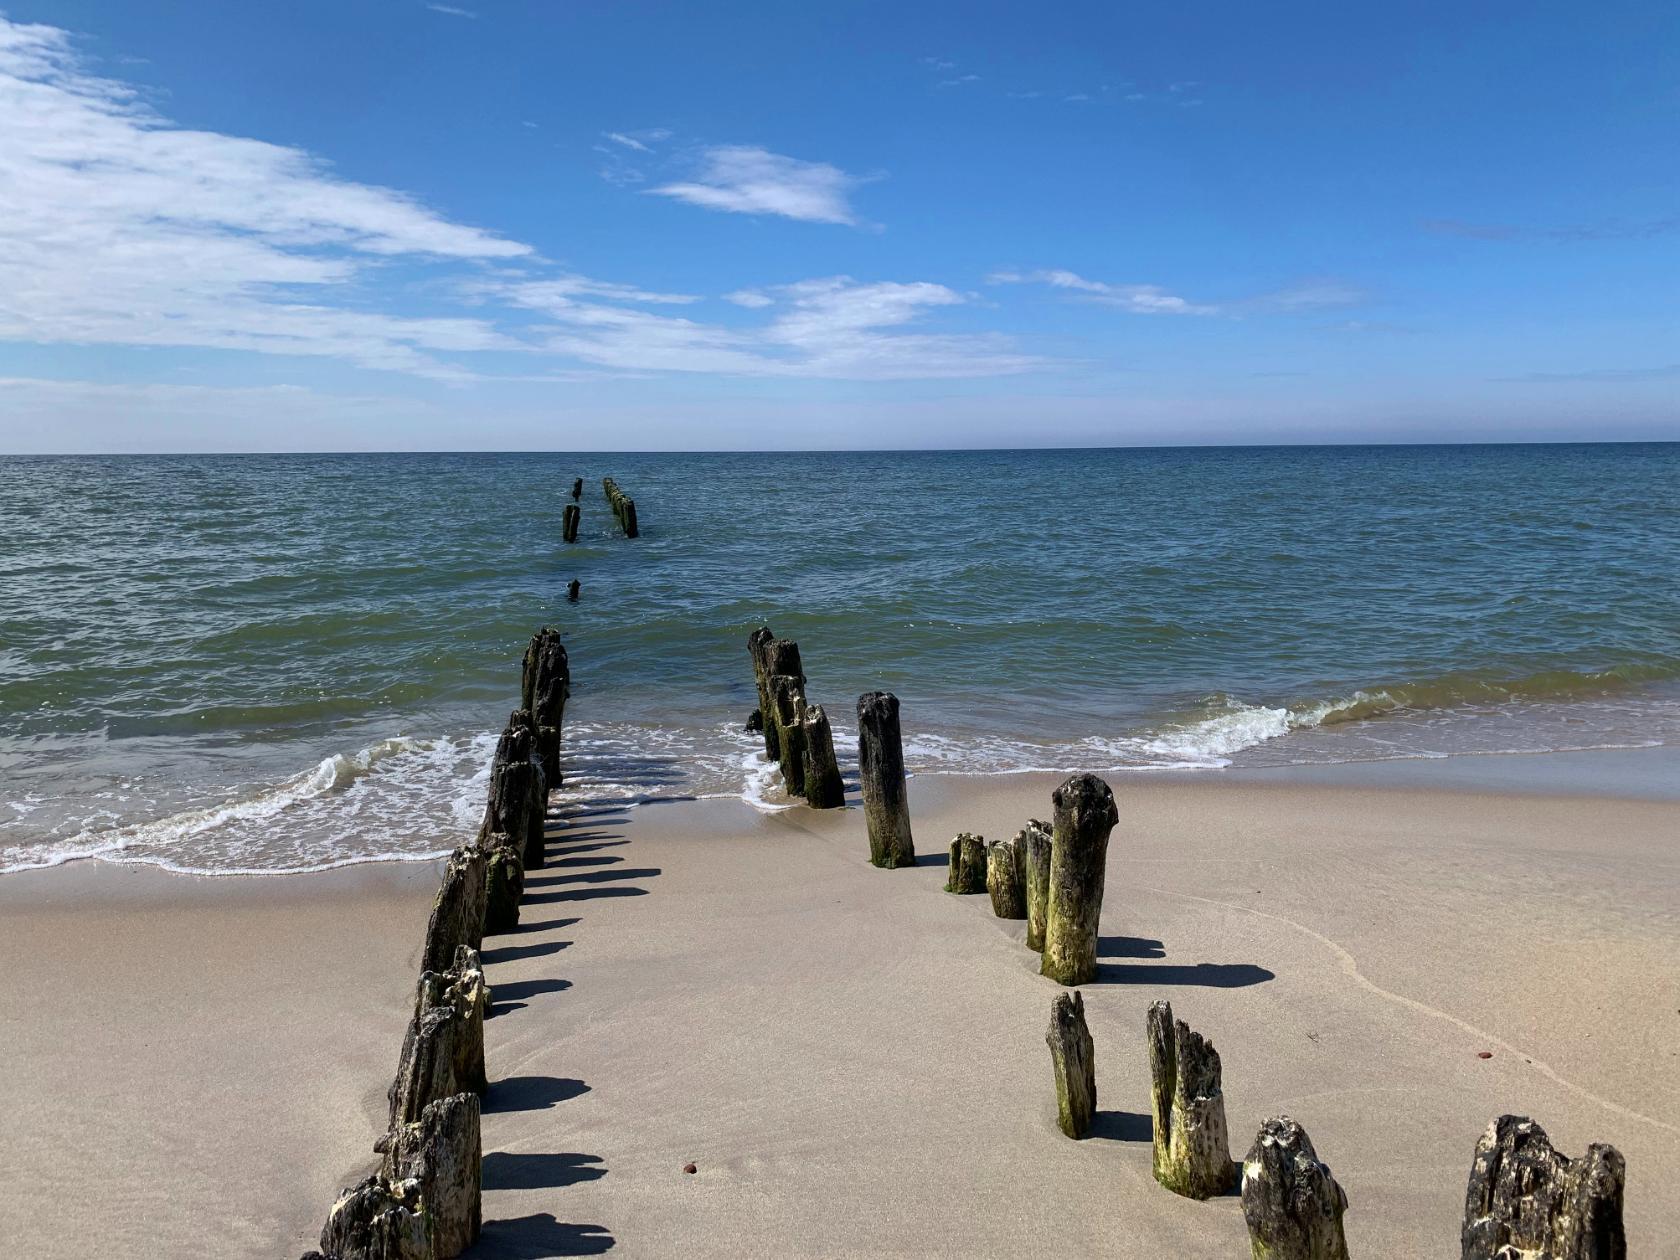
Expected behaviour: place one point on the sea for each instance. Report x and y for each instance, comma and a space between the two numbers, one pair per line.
236, 664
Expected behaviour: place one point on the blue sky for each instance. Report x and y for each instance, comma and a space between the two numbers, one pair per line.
567, 225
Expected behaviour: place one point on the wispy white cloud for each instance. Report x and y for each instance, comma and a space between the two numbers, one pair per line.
452, 11
1152, 299
748, 179
958, 81
939, 63
629, 142
118, 227
1140, 299
834, 328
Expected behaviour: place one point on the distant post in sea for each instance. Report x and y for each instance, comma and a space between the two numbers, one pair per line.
569, 523
577, 488
1085, 814
886, 806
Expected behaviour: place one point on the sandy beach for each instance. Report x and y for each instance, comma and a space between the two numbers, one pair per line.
853, 1059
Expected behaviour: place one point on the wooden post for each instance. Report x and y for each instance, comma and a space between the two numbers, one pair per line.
1085, 814
577, 488
545, 685
1192, 1145
1292, 1204
1526, 1199
504, 883
1003, 880
623, 506
443, 1151
443, 1050
1035, 844
968, 864
569, 523
758, 643
458, 912
787, 711
886, 805
824, 789
376, 1220
1073, 1058
572, 588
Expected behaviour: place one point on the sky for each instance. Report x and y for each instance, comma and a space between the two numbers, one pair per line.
562, 225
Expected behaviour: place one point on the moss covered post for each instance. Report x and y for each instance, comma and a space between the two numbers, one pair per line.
1003, 880
1072, 1057
1034, 844
458, 912
967, 865
1085, 814
1192, 1145
824, 789
886, 804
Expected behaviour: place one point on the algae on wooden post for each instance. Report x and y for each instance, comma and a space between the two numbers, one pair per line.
787, 710
1526, 1199
1003, 880
1035, 844
824, 789
1192, 1144
504, 884
886, 804
1291, 1203
1085, 814
443, 1151
1073, 1059
967, 871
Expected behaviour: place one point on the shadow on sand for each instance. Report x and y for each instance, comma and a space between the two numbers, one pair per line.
530, 1093
538, 1236
1200, 975
1111, 1126
505, 1171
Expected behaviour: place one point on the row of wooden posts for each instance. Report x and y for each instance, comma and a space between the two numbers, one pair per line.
1524, 1201
424, 1203
623, 510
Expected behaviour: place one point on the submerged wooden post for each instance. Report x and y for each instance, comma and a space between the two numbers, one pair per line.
444, 1152
1085, 814
623, 506
1035, 844
577, 488
787, 711
377, 1219
967, 864
1526, 1199
572, 588
758, 643
1003, 880
1292, 1204
886, 805
824, 789
1192, 1145
458, 912
569, 523
1073, 1058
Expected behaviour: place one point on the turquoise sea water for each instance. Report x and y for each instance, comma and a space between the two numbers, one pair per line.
284, 662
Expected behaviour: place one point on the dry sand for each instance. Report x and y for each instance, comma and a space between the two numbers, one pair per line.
854, 1059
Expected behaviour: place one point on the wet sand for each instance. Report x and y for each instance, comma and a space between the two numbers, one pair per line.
853, 1058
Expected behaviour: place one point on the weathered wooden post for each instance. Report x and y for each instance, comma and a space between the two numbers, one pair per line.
572, 589
504, 883
458, 912
443, 1151
569, 523
376, 1220
1525, 1199
545, 683
787, 710
824, 789
886, 805
1085, 814
1292, 1204
1034, 843
758, 644
577, 488
1192, 1144
967, 864
443, 1049
627, 517
1073, 1058
1003, 880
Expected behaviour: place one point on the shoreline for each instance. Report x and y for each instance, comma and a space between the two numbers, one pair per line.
699, 981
